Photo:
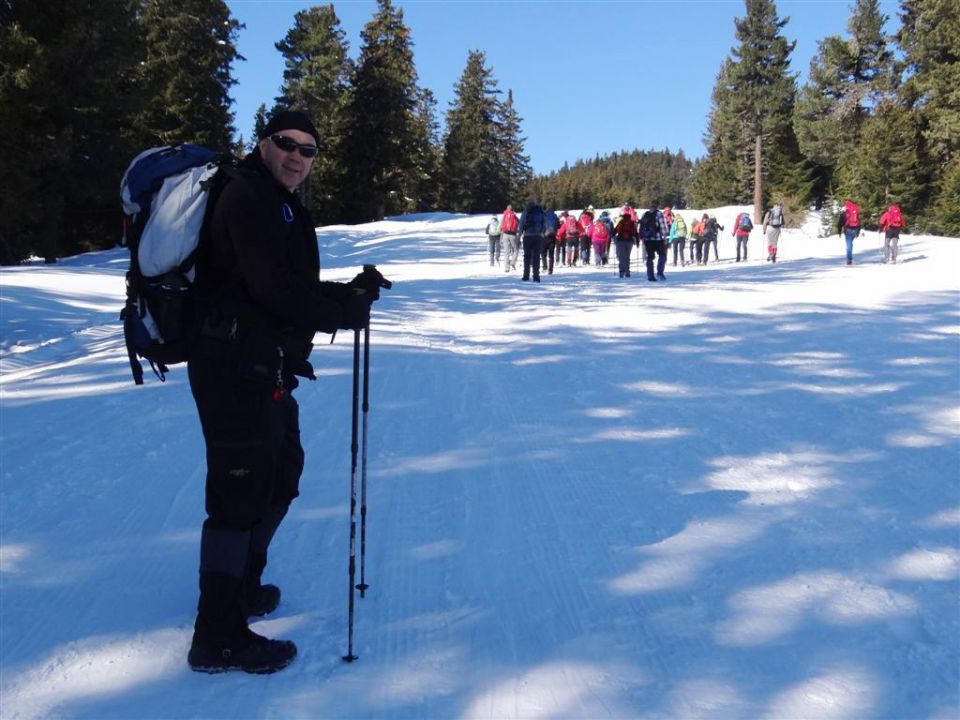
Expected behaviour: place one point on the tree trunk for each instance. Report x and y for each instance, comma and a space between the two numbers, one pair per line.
757, 181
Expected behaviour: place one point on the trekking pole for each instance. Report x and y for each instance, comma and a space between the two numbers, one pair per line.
352, 567
362, 586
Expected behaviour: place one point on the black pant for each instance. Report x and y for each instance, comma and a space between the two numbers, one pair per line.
678, 245
531, 256
660, 248
548, 252
254, 463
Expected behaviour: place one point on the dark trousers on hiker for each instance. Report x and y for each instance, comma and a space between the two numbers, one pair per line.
742, 243
547, 254
532, 245
678, 246
494, 246
573, 247
660, 248
624, 248
254, 462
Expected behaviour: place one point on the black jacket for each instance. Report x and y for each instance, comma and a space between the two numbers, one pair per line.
262, 264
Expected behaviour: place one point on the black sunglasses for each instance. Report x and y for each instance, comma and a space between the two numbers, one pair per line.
288, 145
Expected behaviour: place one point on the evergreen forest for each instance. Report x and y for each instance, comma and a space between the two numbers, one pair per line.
97, 81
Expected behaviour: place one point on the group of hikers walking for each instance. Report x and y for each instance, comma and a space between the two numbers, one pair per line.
891, 224
548, 239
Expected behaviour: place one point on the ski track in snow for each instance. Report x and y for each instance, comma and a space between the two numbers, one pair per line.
735, 494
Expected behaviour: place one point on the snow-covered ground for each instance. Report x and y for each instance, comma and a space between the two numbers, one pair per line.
734, 494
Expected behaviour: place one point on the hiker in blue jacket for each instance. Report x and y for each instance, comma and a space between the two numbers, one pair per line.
550, 240
532, 225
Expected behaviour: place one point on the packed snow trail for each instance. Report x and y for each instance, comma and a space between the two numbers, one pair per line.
735, 494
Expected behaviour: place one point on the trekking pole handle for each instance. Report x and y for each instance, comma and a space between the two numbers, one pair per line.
386, 284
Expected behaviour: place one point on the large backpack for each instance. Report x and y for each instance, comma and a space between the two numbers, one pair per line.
895, 217
853, 215
167, 193
626, 228
681, 231
534, 221
649, 229
776, 215
509, 223
744, 222
601, 231
571, 227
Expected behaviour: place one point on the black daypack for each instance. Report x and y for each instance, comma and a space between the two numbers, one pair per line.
168, 194
648, 226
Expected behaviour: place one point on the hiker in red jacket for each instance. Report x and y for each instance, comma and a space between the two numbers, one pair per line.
891, 223
741, 230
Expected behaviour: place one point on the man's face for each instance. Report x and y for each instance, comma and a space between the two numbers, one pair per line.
289, 168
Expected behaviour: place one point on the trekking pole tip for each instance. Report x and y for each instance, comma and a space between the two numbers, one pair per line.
349, 658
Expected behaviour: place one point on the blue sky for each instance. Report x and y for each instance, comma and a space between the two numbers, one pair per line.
588, 78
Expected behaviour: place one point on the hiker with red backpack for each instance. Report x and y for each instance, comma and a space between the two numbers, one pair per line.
891, 223
625, 231
849, 224
571, 234
510, 238
741, 230
586, 233
601, 239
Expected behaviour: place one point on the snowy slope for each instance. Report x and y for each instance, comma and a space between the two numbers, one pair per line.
735, 494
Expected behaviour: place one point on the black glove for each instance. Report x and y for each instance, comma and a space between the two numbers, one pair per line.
356, 310
370, 280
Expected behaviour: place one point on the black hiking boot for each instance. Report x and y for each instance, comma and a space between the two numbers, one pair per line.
248, 652
261, 600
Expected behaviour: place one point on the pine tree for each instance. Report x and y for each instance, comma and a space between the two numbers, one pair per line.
380, 145
762, 99
315, 80
848, 80
475, 173
930, 39
511, 149
426, 173
190, 45
63, 198
716, 179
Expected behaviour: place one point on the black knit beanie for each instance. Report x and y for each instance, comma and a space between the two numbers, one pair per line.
290, 120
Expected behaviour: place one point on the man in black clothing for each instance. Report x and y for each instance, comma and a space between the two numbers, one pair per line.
263, 302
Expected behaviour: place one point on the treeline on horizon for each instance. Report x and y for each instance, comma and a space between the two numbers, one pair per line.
87, 84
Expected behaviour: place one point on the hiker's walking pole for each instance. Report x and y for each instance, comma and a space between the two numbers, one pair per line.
362, 586
352, 568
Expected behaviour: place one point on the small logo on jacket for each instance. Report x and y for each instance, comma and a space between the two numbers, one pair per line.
287, 213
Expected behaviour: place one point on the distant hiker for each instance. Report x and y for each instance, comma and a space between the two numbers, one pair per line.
510, 238
548, 250
678, 238
772, 223
629, 211
571, 234
585, 222
653, 232
696, 239
849, 226
715, 229
741, 230
891, 223
668, 215
608, 223
493, 240
264, 303
711, 230
600, 239
533, 225
625, 232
